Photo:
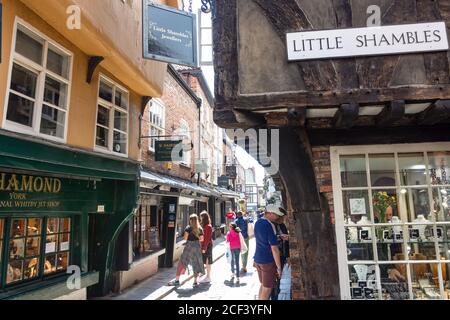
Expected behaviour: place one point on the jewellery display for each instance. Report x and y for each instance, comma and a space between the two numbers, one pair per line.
365, 234
421, 219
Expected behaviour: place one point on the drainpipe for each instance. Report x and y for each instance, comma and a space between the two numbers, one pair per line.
199, 106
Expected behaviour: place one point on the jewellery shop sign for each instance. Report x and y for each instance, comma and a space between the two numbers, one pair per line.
372, 41
27, 193
169, 35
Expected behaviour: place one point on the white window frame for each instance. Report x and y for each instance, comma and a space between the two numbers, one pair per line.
112, 108
343, 262
42, 71
161, 129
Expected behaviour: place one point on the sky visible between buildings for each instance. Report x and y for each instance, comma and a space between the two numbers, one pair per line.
208, 70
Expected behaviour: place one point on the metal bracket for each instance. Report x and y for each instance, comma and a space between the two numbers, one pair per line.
144, 102
94, 61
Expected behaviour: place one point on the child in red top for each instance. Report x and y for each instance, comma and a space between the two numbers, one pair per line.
233, 239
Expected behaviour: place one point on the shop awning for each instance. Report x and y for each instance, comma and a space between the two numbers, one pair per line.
177, 183
225, 193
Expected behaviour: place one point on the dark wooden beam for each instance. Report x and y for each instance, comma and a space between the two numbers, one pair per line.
295, 117
225, 48
93, 63
393, 112
144, 102
346, 116
436, 64
375, 135
288, 15
316, 246
437, 112
365, 97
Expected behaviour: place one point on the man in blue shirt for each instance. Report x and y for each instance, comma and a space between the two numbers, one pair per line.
242, 223
267, 254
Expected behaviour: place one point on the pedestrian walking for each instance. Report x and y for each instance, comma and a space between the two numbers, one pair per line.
267, 253
230, 217
192, 253
207, 245
234, 241
283, 245
242, 223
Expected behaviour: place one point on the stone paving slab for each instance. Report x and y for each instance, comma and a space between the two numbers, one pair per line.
156, 288
222, 287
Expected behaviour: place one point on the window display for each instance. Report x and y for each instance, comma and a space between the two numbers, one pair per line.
57, 245
147, 231
396, 224
24, 249
2, 223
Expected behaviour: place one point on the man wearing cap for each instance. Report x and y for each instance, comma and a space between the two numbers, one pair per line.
267, 254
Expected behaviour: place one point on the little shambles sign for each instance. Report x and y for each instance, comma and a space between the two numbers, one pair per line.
399, 39
169, 35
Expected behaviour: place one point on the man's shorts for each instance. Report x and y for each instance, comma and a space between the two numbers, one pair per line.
208, 255
267, 274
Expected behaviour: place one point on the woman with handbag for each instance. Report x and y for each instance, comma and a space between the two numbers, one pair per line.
192, 253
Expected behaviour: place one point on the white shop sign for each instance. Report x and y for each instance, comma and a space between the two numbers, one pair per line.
385, 40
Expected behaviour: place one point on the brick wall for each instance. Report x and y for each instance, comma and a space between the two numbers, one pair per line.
179, 105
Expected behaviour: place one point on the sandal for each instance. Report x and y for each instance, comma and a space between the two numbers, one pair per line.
174, 283
195, 284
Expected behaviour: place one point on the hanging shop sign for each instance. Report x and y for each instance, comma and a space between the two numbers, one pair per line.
169, 35
201, 166
222, 181
372, 41
163, 150
231, 172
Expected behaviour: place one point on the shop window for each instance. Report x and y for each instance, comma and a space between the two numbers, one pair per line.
112, 117
39, 87
395, 234
24, 257
2, 226
24, 250
183, 220
157, 118
146, 231
57, 245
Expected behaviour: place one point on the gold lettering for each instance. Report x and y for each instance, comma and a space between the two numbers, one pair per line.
48, 184
56, 185
13, 183
40, 186
27, 184
2, 181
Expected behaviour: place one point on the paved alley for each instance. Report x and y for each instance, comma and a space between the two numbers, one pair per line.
221, 288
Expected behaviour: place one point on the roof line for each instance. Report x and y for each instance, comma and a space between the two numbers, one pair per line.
178, 78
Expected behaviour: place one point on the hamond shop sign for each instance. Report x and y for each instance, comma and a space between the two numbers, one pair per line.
169, 35
398, 39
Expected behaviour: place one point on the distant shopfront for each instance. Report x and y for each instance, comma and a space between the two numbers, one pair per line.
156, 236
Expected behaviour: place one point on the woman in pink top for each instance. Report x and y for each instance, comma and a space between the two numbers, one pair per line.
235, 246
